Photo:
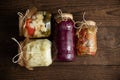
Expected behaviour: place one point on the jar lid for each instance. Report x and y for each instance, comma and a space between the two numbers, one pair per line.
63, 16
67, 15
90, 22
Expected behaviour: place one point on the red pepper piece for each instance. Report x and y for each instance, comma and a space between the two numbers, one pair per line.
29, 28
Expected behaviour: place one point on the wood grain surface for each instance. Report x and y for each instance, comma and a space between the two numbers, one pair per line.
105, 65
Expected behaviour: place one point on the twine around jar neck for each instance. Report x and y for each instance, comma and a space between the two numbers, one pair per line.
64, 16
60, 13
84, 24
23, 16
19, 54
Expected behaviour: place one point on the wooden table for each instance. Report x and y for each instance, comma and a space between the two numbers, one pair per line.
105, 65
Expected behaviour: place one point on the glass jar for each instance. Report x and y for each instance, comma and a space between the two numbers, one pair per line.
86, 42
35, 24
65, 37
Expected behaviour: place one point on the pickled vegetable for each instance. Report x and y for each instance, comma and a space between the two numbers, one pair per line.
86, 42
65, 39
35, 24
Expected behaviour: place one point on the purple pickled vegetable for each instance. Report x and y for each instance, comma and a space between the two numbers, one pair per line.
65, 40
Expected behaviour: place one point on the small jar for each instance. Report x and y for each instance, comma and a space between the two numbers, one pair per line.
65, 37
34, 53
35, 24
86, 42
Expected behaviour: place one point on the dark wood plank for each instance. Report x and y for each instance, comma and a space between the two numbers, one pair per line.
61, 73
103, 12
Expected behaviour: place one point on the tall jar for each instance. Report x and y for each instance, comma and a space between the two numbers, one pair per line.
65, 37
86, 41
